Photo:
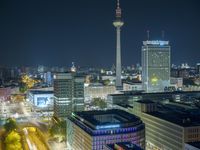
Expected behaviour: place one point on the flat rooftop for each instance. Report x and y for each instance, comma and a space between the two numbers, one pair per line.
106, 119
145, 101
156, 42
177, 115
41, 92
140, 93
194, 144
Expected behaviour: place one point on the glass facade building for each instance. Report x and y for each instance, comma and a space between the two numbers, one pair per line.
155, 65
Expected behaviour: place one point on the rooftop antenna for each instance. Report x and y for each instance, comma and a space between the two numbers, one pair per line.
118, 10
148, 32
163, 34
118, 5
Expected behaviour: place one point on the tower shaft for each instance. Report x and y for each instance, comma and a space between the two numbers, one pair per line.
118, 23
118, 60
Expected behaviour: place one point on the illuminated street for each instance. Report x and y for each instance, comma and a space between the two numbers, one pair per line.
34, 141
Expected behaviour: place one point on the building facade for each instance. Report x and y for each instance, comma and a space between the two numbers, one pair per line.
41, 98
155, 65
68, 94
167, 129
122, 146
128, 86
95, 129
98, 91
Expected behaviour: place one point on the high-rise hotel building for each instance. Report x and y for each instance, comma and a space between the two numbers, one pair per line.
92, 130
68, 94
155, 65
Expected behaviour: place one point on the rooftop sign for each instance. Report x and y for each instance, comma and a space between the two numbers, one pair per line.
156, 42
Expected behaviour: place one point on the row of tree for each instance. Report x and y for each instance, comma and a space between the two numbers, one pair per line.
12, 138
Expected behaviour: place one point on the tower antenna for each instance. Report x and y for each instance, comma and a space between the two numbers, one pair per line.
118, 4
148, 34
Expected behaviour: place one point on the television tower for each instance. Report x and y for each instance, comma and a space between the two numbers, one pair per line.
118, 23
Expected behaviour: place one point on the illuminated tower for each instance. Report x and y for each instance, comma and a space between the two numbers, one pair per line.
118, 23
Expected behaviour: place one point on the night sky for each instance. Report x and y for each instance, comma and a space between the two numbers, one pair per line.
57, 32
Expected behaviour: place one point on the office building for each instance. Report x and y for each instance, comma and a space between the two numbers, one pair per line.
98, 90
155, 65
169, 126
95, 129
128, 97
118, 23
68, 94
48, 78
5, 93
41, 98
132, 86
176, 82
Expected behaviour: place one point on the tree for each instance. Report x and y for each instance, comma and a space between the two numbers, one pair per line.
106, 82
10, 125
23, 88
99, 102
58, 129
12, 141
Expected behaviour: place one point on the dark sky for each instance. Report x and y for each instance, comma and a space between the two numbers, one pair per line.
57, 32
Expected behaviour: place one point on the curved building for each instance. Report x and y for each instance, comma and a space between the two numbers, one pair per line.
94, 129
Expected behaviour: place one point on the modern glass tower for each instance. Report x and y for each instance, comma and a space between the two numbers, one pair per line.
155, 65
118, 23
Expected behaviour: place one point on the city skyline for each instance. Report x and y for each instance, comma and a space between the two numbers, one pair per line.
57, 33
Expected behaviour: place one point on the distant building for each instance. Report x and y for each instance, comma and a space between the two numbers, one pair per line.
184, 73
95, 129
48, 78
41, 98
115, 99
98, 91
111, 78
132, 86
168, 126
155, 65
176, 82
68, 94
5, 93
128, 97
41, 69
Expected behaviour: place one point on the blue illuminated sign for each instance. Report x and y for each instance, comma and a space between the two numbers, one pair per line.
108, 126
161, 43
